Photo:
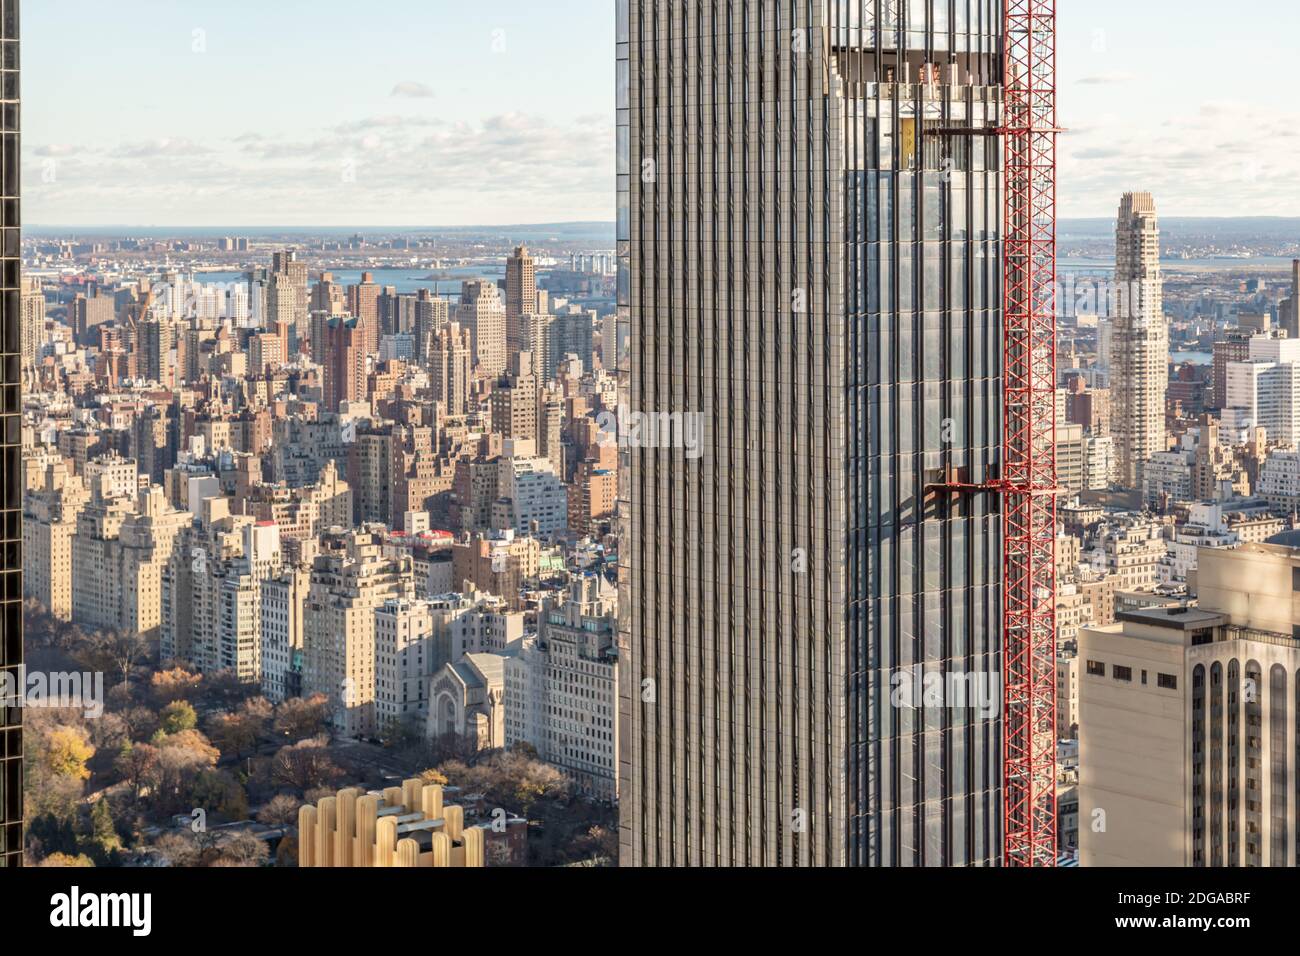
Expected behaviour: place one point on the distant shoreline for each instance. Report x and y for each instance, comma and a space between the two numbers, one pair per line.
1184, 266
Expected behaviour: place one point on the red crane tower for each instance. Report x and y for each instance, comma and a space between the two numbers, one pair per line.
1028, 478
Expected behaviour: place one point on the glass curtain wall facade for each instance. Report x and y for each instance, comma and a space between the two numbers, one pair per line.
11, 615
809, 224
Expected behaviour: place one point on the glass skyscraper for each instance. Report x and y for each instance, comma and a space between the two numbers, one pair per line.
11, 626
809, 217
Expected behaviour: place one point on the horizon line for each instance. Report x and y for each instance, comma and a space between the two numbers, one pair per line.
611, 223
580, 223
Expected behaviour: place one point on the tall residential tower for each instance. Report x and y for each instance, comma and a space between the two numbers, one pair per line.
1140, 346
521, 294
810, 203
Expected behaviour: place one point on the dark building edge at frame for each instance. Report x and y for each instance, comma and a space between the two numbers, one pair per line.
768, 147
11, 622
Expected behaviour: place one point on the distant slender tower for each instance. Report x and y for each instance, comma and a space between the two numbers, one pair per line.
11, 634
286, 301
1140, 342
521, 295
33, 319
1290, 308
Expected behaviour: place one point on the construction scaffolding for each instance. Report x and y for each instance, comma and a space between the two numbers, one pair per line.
1028, 481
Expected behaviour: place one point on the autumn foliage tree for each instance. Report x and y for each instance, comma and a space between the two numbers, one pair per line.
66, 752
299, 718
57, 753
173, 684
238, 732
182, 757
178, 716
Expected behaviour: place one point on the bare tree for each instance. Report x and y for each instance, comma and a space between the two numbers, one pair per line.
243, 849
280, 811
304, 765
115, 650
179, 849
138, 766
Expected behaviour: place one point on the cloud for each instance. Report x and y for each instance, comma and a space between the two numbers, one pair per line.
413, 90
508, 167
165, 146
1225, 108
1098, 153
55, 150
267, 149
388, 121
1107, 79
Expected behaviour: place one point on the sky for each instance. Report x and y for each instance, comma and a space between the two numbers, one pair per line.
453, 112
317, 112
1192, 100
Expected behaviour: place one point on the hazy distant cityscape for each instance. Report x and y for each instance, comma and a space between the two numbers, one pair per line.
834, 503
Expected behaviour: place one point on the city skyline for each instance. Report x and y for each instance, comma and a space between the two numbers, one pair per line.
840, 501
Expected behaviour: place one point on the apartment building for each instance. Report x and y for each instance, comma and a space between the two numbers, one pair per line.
561, 689
350, 580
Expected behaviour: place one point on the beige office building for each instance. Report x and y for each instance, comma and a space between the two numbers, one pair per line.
561, 688
404, 659
481, 311
514, 400
536, 335
1067, 693
284, 604
451, 359
1070, 457
1187, 722
33, 322
287, 299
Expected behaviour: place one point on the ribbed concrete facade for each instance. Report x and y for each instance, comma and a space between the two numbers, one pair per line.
810, 266
1140, 347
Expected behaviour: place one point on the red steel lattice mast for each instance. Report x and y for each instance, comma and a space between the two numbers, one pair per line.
1028, 480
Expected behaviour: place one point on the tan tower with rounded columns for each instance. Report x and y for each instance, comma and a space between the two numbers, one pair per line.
406, 826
